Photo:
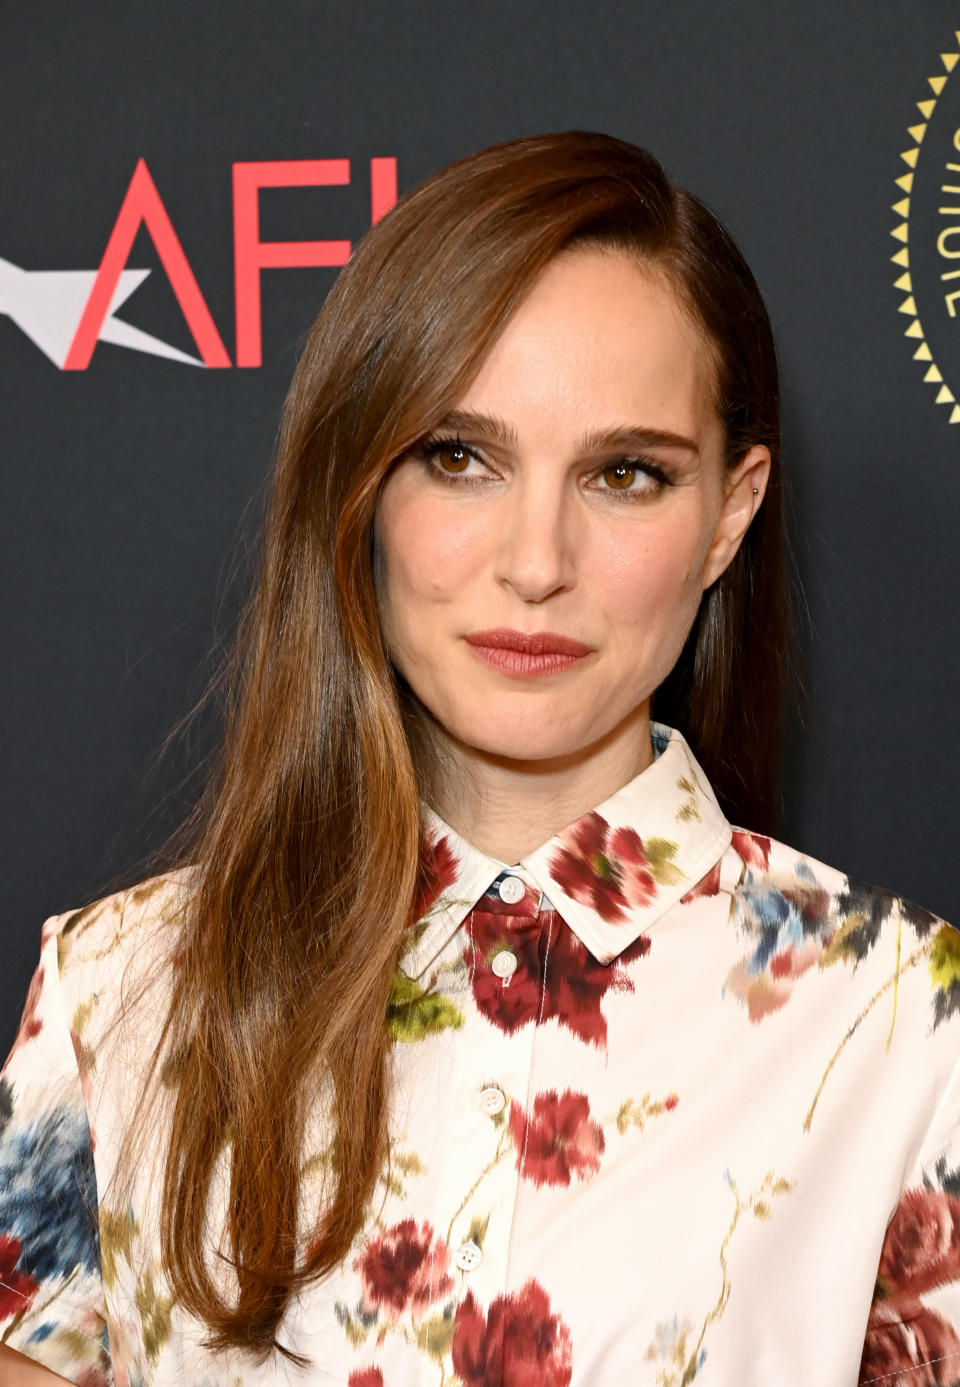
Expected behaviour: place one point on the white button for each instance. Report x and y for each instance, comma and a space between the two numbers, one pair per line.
492, 1100
468, 1256
511, 890
504, 964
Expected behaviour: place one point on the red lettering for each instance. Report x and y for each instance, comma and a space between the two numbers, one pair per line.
142, 204
383, 187
251, 255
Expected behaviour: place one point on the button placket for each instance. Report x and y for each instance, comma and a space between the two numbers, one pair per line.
479, 1185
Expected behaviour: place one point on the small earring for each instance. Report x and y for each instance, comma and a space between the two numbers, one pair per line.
756, 491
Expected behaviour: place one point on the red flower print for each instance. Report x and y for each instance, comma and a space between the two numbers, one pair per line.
921, 1251
365, 1377
31, 1022
438, 871
509, 1006
767, 991
558, 1141
706, 886
609, 871
577, 982
404, 1267
17, 1289
519, 1343
908, 1345
922, 1247
753, 850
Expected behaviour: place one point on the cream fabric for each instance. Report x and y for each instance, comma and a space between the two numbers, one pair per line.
672, 1102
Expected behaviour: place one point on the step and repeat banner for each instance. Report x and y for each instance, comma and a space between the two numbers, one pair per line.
178, 186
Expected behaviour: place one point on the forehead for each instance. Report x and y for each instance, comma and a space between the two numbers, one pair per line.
601, 339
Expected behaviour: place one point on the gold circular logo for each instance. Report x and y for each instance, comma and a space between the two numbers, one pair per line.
928, 231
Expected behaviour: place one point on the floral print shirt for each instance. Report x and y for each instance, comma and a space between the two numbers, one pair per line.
671, 1102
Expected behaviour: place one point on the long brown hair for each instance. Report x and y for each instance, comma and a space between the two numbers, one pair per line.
307, 867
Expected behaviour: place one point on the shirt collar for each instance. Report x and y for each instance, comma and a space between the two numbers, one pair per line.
611, 874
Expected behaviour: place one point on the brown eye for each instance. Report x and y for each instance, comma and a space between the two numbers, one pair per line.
453, 458
619, 476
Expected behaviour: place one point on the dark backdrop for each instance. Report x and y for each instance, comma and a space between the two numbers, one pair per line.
131, 489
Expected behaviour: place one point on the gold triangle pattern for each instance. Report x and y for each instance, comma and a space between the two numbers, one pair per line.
901, 232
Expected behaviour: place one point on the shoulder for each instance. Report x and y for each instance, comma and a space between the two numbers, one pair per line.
121, 924
93, 1021
795, 913
101, 961
825, 898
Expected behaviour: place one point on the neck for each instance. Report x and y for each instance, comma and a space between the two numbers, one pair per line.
506, 807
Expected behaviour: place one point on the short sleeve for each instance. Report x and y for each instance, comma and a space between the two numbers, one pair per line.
913, 1332
51, 1293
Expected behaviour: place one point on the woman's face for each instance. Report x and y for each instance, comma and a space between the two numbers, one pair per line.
545, 548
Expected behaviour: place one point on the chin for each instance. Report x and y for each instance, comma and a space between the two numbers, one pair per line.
520, 743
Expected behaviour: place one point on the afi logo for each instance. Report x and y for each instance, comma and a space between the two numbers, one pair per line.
66, 312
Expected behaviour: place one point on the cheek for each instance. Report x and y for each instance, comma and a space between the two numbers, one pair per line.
653, 574
424, 557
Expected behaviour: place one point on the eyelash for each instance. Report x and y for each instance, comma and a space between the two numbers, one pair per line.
428, 449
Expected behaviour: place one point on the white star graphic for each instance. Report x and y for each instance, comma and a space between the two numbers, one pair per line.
47, 305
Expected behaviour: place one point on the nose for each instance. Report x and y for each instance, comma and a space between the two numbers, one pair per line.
536, 549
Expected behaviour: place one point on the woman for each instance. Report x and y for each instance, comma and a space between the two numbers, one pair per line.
471, 1044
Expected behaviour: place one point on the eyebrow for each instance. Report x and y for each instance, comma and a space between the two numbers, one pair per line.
625, 436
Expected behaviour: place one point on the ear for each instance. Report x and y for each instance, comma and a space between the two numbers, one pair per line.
743, 491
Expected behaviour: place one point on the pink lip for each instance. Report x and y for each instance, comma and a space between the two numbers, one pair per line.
536, 643
526, 655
